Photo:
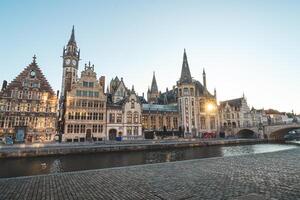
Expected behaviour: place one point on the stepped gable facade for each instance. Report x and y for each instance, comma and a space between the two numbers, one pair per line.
28, 107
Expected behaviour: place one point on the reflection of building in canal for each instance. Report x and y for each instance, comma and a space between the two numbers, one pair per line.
164, 156
55, 166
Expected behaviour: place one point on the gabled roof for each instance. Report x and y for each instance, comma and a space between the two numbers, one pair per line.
168, 97
18, 81
233, 102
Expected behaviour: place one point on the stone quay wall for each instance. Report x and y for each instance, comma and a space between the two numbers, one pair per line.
65, 149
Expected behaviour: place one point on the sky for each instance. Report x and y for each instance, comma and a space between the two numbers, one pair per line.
250, 47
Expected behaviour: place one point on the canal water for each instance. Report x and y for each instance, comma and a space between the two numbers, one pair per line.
14, 167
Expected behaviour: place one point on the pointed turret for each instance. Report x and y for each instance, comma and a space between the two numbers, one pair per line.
204, 78
72, 38
154, 88
185, 76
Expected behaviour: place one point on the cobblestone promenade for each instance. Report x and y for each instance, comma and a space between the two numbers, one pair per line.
262, 176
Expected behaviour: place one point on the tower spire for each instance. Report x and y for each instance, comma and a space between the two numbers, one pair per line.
204, 78
185, 76
72, 38
154, 88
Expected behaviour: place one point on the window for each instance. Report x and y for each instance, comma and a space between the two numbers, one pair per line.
100, 128
20, 94
119, 118
212, 123
78, 93
90, 104
82, 129
91, 93
175, 122
101, 104
136, 130
70, 128
129, 130
112, 117
76, 128
100, 116
160, 121
90, 115
152, 121
95, 116
132, 103
83, 116
84, 93
96, 94
85, 84
71, 116
83, 103
95, 128
77, 116
129, 117
136, 117
91, 84
192, 91
202, 107
186, 91
168, 119
96, 104
202, 123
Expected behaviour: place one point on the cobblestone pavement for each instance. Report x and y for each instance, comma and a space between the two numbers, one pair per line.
262, 176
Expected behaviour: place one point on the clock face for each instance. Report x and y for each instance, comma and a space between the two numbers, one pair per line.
68, 61
74, 62
32, 74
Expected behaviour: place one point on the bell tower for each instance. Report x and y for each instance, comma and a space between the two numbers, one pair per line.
71, 57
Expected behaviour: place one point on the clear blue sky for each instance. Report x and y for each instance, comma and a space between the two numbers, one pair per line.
245, 46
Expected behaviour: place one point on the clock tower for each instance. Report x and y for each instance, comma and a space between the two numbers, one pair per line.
71, 57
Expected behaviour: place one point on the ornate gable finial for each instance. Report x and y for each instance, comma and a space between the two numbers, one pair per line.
89, 66
34, 59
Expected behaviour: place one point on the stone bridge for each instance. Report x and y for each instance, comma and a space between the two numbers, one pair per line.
272, 132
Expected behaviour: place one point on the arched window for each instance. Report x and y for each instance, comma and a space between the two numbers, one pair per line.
129, 117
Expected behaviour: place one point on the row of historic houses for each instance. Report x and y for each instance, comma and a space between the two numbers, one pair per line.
87, 110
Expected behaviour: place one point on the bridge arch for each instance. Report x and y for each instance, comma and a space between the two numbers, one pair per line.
246, 133
280, 133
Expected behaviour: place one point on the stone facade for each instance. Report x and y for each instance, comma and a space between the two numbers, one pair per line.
160, 117
235, 113
188, 107
28, 107
124, 115
85, 112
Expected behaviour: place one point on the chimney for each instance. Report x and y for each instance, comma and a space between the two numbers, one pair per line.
4, 85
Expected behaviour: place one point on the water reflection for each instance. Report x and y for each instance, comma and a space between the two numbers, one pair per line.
56, 164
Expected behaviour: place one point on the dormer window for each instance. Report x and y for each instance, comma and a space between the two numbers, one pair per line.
32, 74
